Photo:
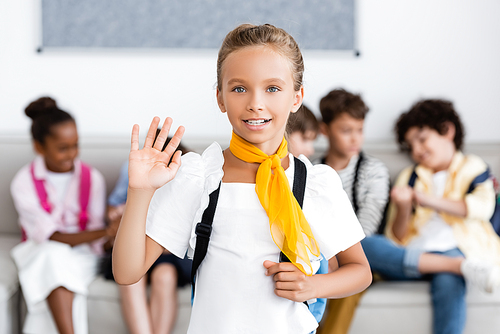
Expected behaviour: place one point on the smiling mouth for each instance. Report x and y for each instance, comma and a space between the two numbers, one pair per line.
257, 121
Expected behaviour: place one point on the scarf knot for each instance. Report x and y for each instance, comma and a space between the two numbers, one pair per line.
289, 228
275, 161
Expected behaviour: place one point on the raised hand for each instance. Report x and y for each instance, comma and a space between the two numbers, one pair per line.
149, 167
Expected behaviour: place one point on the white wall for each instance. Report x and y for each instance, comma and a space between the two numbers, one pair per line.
409, 50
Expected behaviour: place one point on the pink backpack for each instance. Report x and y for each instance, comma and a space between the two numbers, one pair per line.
84, 195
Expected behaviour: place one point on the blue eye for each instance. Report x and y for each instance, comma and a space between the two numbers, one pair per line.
239, 89
273, 89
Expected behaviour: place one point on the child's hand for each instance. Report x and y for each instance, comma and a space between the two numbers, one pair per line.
421, 198
115, 212
113, 228
290, 282
149, 168
402, 196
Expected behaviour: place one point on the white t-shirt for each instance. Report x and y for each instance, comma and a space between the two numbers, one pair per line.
61, 182
233, 294
436, 235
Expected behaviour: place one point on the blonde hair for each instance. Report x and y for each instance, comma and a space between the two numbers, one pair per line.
279, 40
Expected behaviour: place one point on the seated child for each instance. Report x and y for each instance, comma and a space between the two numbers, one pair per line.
61, 206
364, 178
436, 230
165, 275
302, 129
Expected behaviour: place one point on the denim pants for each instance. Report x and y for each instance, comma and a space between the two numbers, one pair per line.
394, 262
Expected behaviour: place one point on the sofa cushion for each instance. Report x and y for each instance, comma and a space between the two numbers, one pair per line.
417, 293
388, 307
105, 314
9, 282
102, 288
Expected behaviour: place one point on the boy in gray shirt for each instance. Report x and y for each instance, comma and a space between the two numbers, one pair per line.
364, 178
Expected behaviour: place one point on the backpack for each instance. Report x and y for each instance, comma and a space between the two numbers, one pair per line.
204, 230
495, 218
84, 195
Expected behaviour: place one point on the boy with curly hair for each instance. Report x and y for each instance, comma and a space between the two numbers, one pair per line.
437, 229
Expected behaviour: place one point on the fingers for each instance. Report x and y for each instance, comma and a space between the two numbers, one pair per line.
288, 285
163, 135
157, 142
111, 231
150, 138
175, 141
134, 145
403, 193
421, 198
275, 268
290, 295
175, 164
290, 282
268, 264
288, 276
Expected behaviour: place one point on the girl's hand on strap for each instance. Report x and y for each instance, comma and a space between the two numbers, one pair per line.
290, 282
149, 167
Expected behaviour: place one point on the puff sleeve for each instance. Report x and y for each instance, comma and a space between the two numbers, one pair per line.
176, 207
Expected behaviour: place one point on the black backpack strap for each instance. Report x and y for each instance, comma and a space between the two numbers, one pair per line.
413, 177
323, 160
355, 183
298, 189
203, 232
479, 179
411, 182
299, 181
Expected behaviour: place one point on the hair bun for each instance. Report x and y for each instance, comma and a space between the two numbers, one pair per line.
40, 107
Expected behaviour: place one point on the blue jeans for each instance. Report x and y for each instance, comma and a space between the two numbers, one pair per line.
394, 262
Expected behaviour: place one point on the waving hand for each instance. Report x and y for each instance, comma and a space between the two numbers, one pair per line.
150, 167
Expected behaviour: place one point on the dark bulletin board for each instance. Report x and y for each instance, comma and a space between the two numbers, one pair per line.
315, 24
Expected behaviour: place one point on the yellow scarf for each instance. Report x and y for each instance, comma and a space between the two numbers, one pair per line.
289, 228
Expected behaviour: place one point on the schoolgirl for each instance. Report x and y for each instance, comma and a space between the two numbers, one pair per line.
61, 206
241, 287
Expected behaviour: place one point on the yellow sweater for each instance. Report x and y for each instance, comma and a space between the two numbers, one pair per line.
474, 234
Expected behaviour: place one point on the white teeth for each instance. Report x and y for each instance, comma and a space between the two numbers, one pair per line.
257, 121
